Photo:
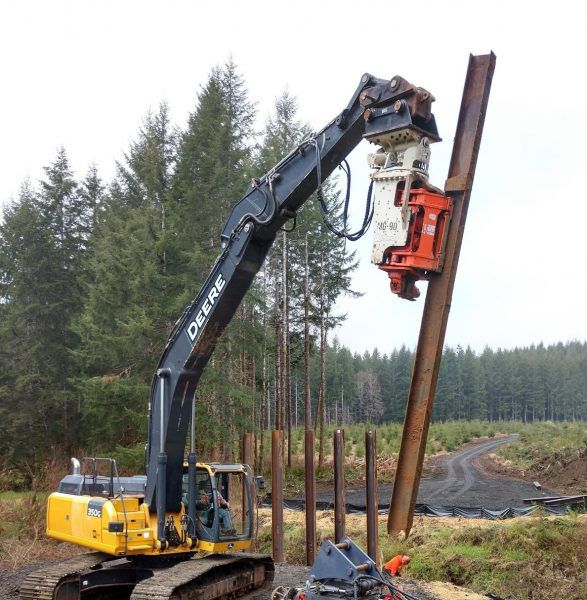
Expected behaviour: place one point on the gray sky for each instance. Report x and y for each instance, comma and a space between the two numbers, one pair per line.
83, 74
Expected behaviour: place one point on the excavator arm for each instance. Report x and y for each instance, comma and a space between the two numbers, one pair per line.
377, 110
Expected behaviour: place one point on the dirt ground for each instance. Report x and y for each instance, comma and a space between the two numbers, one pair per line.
570, 479
292, 575
10, 580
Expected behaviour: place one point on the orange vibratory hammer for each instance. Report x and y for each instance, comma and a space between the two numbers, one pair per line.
424, 251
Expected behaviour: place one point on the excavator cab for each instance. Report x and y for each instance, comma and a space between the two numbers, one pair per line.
224, 506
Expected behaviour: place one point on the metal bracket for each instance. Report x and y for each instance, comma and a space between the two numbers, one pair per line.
344, 561
341, 120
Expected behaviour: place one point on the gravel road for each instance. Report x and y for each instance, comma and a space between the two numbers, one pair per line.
458, 482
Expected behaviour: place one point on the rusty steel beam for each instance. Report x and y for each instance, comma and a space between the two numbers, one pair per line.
247, 459
310, 496
372, 495
277, 495
339, 495
438, 298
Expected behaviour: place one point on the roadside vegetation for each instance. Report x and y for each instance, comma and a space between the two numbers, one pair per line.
22, 532
553, 453
550, 441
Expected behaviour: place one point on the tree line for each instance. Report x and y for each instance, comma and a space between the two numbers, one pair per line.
535, 383
94, 274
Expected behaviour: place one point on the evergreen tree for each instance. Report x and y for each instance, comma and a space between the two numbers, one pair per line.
43, 244
129, 308
369, 397
213, 169
27, 408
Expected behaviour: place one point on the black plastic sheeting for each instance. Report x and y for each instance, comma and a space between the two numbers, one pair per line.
431, 510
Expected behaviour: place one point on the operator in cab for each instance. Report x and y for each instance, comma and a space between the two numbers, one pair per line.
205, 503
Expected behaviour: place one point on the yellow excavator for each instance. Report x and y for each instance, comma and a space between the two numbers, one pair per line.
182, 530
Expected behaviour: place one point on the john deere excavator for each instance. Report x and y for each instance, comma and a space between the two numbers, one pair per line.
147, 533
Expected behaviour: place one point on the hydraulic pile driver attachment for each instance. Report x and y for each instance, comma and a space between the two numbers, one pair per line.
410, 216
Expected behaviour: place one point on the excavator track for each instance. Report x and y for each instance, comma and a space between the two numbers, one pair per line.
210, 578
44, 583
215, 577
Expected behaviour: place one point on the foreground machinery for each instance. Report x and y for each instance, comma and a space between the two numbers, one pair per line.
343, 571
146, 530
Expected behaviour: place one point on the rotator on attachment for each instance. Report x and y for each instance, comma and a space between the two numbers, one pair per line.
410, 216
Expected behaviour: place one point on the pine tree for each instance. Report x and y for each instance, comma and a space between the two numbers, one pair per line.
27, 410
369, 397
282, 133
213, 169
130, 298
44, 241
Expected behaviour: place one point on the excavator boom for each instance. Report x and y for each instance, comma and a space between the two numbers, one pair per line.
378, 108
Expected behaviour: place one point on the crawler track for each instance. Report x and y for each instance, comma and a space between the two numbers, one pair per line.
41, 584
214, 577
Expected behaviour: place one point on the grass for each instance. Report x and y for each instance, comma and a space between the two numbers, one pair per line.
542, 446
13, 495
22, 532
523, 559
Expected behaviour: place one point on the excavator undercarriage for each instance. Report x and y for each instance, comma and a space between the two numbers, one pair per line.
98, 575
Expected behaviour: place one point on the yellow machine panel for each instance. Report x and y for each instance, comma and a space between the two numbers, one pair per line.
124, 526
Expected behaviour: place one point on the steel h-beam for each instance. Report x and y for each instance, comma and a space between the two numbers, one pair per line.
438, 298
339, 495
247, 459
277, 495
310, 491
372, 495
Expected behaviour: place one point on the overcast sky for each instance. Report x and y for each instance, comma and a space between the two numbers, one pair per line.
83, 74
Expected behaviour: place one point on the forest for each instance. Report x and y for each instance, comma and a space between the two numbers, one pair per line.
94, 273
